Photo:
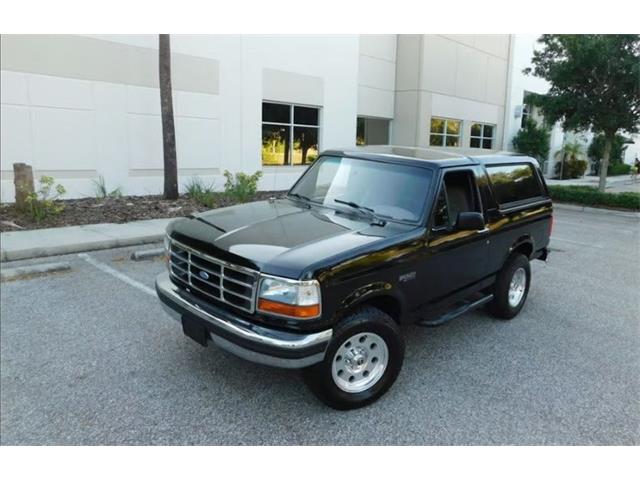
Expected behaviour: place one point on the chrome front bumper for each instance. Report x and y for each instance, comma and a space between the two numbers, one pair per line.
235, 334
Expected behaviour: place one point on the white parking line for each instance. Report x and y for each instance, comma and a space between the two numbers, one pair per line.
115, 273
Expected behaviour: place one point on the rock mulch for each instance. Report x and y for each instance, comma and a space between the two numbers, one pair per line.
85, 211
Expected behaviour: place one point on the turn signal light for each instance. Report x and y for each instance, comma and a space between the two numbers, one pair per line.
298, 311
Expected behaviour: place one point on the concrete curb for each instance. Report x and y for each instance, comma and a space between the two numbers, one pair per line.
146, 254
60, 241
605, 211
16, 272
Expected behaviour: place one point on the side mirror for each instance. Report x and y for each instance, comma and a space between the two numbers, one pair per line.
470, 221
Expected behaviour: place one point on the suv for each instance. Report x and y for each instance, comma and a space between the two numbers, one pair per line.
367, 240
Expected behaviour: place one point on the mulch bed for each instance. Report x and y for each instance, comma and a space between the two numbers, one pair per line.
84, 211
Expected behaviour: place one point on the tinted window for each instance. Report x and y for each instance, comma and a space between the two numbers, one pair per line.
440, 211
456, 195
276, 112
305, 115
290, 134
394, 191
513, 183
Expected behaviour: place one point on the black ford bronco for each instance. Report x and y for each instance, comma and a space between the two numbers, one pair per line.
367, 240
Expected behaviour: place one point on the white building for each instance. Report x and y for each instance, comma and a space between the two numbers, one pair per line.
80, 107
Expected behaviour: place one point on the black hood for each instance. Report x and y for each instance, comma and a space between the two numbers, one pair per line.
281, 237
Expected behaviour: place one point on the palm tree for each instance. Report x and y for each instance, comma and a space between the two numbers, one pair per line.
168, 127
571, 152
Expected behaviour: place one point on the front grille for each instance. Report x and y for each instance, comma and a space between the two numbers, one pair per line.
213, 278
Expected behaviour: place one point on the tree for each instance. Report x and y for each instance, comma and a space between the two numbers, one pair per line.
168, 127
618, 147
594, 85
532, 140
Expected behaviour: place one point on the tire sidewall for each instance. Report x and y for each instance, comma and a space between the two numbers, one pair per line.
516, 262
366, 320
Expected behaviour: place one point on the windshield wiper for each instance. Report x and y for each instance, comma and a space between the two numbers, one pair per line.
300, 197
362, 209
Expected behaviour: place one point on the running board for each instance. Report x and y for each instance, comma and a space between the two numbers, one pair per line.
450, 315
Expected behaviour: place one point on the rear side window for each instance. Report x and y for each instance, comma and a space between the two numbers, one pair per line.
514, 183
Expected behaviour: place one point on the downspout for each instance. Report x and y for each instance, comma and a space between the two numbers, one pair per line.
508, 108
416, 139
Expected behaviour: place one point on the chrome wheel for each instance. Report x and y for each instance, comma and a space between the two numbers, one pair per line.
360, 362
517, 287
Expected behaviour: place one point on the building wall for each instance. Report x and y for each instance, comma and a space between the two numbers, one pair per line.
376, 75
633, 150
80, 107
462, 77
76, 107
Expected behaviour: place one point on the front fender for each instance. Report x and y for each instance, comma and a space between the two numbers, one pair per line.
376, 292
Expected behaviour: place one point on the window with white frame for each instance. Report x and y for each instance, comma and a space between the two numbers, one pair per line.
289, 134
526, 114
445, 132
481, 135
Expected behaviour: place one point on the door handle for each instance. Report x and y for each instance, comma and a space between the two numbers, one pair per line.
484, 230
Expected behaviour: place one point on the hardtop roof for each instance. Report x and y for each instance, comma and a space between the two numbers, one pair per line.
434, 158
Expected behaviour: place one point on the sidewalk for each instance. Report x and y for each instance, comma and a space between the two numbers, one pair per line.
619, 183
59, 241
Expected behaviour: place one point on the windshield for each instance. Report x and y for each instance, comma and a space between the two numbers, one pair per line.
392, 191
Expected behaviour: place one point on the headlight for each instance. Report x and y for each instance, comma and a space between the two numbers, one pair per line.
289, 298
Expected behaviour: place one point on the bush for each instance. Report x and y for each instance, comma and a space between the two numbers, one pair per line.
619, 169
241, 187
572, 168
533, 141
591, 196
42, 203
200, 191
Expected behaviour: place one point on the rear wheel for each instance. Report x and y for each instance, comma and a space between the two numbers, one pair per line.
361, 362
511, 287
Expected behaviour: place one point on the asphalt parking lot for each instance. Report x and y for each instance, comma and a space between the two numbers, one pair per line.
87, 358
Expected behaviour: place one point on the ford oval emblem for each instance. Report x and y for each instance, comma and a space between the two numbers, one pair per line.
203, 275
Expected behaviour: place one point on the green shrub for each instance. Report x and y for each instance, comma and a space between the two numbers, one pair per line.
533, 141
619, 169
42, 203
572, 168
591, 196
241, 187
200, 191
101, 189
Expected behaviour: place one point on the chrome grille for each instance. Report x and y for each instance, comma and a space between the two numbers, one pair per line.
213, 278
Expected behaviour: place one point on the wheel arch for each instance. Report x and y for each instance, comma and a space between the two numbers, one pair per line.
523, 245
387, 301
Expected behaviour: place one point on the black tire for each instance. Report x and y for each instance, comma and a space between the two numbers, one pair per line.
500, 306
319, 377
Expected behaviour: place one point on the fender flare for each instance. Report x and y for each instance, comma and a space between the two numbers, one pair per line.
372, 293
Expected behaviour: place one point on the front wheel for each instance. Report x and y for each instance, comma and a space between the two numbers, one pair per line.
362, 360
511, 287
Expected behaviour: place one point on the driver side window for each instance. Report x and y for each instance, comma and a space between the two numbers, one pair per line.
457, 194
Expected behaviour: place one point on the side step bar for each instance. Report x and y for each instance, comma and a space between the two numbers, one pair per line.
460, 310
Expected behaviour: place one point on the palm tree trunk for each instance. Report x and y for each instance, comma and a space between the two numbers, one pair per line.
608, 141
168, 127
